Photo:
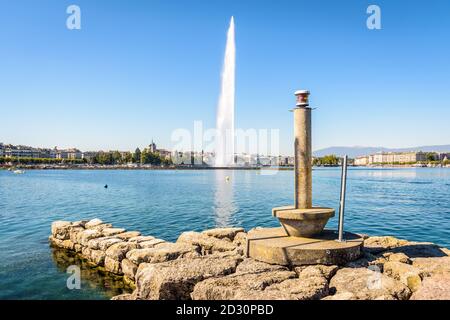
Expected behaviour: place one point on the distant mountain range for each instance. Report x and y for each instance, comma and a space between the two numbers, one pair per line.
357, 151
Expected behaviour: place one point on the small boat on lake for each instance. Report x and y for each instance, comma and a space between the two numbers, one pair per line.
18, 171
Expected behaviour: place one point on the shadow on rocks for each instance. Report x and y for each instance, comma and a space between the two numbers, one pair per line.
91, 276
420, 250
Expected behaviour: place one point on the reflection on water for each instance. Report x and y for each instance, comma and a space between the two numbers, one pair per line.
386, 173
91, 277
224, 204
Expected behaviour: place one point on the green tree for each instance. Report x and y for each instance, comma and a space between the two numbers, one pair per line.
431, 156
104, 158
127, 157
144, 157
116, 157
330, 160
137, 155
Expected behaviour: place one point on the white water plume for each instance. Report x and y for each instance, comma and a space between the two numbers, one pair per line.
224, 155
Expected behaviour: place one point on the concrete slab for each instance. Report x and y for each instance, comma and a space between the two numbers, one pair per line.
273, 245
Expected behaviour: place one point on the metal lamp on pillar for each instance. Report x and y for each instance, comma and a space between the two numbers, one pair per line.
302, 239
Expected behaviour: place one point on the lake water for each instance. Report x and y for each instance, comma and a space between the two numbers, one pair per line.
411, 203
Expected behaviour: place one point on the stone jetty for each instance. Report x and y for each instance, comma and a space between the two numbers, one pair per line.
212, 265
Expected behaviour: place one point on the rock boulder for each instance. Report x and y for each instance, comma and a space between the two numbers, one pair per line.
206, 243
175, 280
366, 284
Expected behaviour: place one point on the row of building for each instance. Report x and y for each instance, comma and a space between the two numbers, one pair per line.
400, 158
12, 151
19, 151
241, 160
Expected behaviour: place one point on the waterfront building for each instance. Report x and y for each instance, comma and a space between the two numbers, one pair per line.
442, 156
361, 161
89, 155
17, 151
392, 158
71, 154
152, 147
166, 154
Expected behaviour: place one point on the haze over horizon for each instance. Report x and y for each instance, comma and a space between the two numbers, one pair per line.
137, 71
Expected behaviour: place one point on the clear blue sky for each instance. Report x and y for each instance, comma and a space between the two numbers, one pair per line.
137, 70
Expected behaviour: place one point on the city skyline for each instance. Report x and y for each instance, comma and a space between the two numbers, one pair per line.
137, 71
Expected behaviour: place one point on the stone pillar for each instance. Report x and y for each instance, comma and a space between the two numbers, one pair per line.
303, 152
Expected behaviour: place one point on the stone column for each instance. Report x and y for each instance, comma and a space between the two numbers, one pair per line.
303, 153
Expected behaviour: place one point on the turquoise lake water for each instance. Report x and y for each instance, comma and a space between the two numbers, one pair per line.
411, 203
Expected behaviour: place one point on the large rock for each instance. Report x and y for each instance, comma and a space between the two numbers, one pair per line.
223, 233
73, 233
113, 266
432, 266
304, 288
250, 265
240, 239
77, 248
397, 257
80, 223
162, 253
105, 244
128, 235
405, 273
65, 244
102, 227
118, 250
97, 257
237, 286
112, 231
263, 295
206, 243
129, 269
175, 280
95, 243
436, 287
341, 296
368, 260
140, 239
380, 244
151, 243
86, 253
93, 223
60, 230
318, 270
83, 237
366, 284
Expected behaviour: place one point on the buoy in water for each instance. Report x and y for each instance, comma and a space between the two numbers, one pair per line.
227, 178
106, 186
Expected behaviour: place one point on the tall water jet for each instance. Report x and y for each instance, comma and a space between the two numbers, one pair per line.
224, 153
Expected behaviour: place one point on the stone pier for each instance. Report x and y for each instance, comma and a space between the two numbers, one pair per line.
212, 265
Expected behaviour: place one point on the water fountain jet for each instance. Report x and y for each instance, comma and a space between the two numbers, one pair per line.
224, 152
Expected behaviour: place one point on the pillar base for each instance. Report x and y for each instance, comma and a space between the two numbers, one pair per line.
274, 246
303, 222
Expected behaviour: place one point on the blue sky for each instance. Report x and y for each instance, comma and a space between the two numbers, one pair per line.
138, 70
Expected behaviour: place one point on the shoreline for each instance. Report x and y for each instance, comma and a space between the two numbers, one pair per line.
213, 265
120, 167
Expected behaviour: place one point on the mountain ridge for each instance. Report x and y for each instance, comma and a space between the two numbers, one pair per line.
356, 151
